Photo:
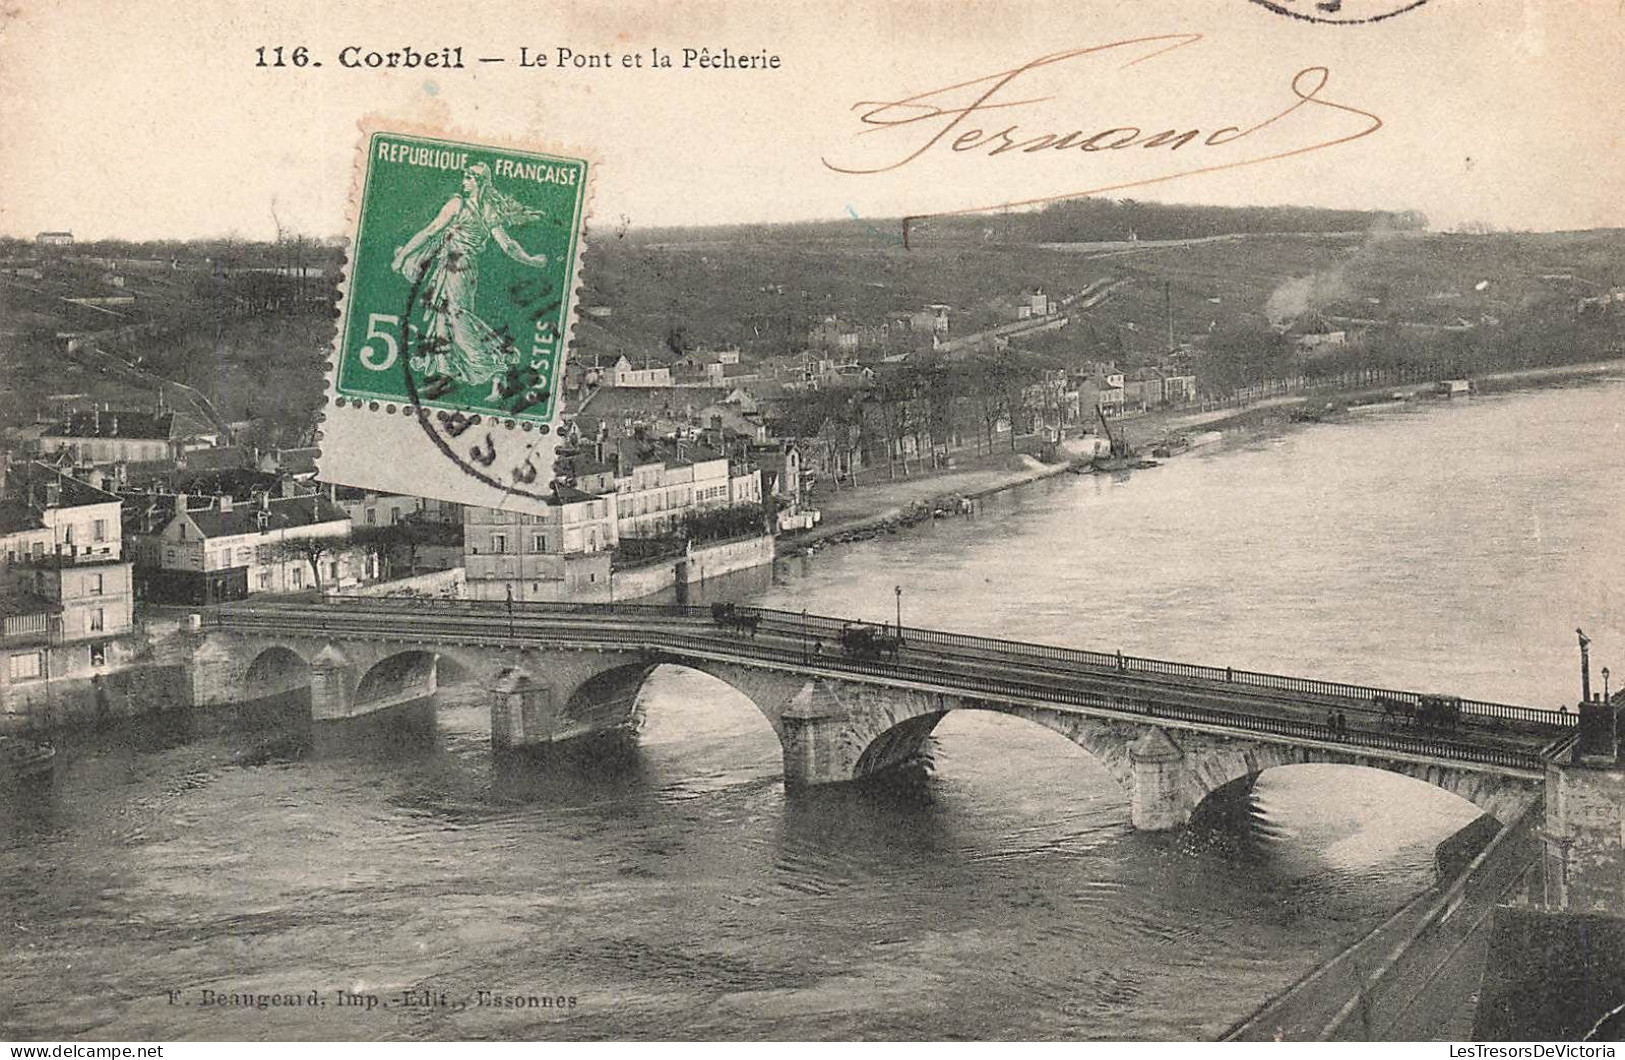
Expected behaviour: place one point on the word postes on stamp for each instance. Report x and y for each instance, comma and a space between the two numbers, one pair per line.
454, 330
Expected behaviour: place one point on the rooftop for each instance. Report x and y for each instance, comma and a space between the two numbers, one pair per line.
284, 513
115, 424
27, 484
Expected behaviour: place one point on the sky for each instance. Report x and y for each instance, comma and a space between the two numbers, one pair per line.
150, 119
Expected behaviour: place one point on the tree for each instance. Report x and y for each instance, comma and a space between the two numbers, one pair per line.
311, 550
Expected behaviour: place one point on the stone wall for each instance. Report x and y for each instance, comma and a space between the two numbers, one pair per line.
1585, 838
74, 702
443, 584
699, 565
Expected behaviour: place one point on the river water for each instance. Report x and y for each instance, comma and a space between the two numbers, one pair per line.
672, 890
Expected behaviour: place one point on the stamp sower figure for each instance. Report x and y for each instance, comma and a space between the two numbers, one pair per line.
443, 259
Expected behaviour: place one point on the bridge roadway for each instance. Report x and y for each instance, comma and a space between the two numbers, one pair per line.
1499, 735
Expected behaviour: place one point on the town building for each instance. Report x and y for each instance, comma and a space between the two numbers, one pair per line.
66, 601
371, 508
298, 462
227, 550
107, 436
1035, 304
718, 368
624, 375
54, 239
931, 320
559, 550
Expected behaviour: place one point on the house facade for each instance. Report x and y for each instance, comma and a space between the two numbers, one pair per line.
558, 551
229, 550
105, 436
66, 600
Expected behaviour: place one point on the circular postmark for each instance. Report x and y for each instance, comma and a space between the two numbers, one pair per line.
1340, 12
444, 428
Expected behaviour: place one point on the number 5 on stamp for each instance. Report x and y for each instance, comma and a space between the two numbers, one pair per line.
463, 267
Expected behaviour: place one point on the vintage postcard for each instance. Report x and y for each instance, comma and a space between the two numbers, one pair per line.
857, 520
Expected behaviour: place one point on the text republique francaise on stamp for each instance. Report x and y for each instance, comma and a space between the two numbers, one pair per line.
455, 320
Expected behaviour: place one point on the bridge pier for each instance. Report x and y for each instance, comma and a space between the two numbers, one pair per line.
1159, 793
523, 713
812, 728
332, 685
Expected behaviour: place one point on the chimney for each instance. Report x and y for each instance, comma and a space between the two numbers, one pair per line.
225, 504
287, 486
53, 492
180, 503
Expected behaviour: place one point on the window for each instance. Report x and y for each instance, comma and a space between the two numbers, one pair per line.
265, 579
169, 557
499, 543
333, 570
96, 620
394, 515
98, 654
95, 585
539, 542
98, 530
372, 516
25, 665
183, 531
298, 577
67, 534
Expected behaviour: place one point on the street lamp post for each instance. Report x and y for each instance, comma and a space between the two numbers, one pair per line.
899, 591
804, 658
510, 610
1613, 715
1585, 666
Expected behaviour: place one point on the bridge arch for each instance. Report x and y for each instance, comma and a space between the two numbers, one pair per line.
612, 697
274, 671
1154, 763
1501, 797
895, 739
398, 678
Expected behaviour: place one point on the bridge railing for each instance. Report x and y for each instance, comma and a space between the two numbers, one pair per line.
960, 683
1194, 671
827, 626
681, 642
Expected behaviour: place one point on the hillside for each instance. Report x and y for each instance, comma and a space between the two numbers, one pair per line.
764, 294
251, 345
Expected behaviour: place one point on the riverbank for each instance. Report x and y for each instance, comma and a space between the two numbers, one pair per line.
862, 512
1143, 430
885, 507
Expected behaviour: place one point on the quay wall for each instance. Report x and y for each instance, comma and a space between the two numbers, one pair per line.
696, 567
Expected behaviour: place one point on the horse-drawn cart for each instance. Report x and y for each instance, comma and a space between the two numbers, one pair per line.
868, 642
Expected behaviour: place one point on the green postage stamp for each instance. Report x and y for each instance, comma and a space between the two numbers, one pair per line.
454, 329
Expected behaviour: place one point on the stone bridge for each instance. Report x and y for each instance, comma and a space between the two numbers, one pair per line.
554, 675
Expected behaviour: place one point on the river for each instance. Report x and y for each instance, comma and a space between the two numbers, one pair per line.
673, 890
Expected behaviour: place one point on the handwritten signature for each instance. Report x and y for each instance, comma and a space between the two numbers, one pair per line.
977, 116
